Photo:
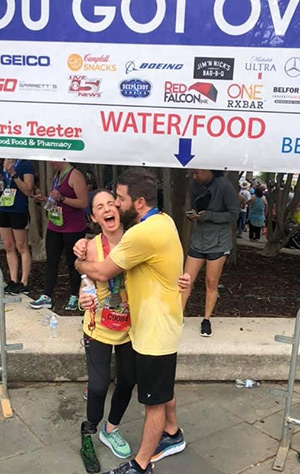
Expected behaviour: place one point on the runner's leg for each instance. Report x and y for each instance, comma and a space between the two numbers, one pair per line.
11, 253
171, 425
192, 266
69, 240
98, 358
54, 248
21, 239
213, 272
126, 380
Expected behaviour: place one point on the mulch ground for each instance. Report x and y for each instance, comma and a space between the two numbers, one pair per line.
256, 287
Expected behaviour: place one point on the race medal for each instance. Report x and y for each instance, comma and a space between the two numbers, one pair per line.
56, 216
115, 314
115, 301
8, 197
92, 323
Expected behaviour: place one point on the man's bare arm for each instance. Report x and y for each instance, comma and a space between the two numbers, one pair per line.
98, 271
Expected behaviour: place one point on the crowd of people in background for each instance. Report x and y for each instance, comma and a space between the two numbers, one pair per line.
136, 248
254, 212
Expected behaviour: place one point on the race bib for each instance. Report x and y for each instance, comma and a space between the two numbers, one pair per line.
56, 216
116, 319
8, 197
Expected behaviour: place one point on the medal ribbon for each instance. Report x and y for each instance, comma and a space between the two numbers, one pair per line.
7, 176
58, 179
115, 283
150, 213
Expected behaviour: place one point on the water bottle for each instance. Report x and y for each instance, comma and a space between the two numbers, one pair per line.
50, 204
247, 383
2, 184
53, 324
45, 321
88, 287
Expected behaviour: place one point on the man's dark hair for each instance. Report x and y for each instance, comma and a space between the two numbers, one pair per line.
141, 183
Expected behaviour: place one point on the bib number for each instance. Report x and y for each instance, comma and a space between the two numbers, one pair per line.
56, 216
8, 197
117, 318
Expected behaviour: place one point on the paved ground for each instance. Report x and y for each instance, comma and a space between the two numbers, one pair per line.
228, 431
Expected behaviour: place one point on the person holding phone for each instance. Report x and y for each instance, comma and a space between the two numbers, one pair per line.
17, 179
214, 207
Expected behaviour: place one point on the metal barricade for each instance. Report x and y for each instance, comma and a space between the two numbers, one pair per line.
4, 398
288, 422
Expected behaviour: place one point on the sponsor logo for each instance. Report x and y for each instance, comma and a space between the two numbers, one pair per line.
22, 60
84, 86
89, 62
37, 87
286, 95
135, 88
290, 145
8, 85
242, 96
198, 93
292, 67
130, 66
214, 68
75, 62
260, 64
192, 124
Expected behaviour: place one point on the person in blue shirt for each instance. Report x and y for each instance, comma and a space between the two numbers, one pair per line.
258, 210
18, 177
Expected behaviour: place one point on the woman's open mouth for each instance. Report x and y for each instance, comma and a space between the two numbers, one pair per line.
110, 220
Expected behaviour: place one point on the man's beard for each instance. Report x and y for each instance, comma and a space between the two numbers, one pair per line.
129, 217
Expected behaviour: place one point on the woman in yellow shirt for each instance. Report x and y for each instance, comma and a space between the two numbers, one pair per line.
103, 330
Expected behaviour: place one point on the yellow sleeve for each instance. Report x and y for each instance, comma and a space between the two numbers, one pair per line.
134, 248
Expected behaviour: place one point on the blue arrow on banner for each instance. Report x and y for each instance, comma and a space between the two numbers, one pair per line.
184, 154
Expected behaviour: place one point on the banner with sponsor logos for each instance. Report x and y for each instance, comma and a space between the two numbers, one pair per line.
173, 83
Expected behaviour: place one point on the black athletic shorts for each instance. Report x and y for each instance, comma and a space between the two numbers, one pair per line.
155, 378
14, 220
208, 256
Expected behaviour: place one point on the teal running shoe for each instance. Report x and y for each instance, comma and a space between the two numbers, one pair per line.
115, 442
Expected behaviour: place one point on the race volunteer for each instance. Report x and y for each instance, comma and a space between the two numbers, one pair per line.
67, 224
17, 180
152, 256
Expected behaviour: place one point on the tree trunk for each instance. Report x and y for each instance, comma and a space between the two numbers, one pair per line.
39, 220
279, 196
98, 172
167, 191
178, 198
175, 198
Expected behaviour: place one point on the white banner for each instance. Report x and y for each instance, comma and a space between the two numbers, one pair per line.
155, 105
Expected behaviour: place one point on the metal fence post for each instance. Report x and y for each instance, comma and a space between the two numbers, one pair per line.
4, 398
287, 429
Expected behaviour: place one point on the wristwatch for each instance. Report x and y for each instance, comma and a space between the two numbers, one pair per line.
15, 176
62, 198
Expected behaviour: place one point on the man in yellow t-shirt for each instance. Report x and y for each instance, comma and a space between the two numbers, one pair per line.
152, 256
